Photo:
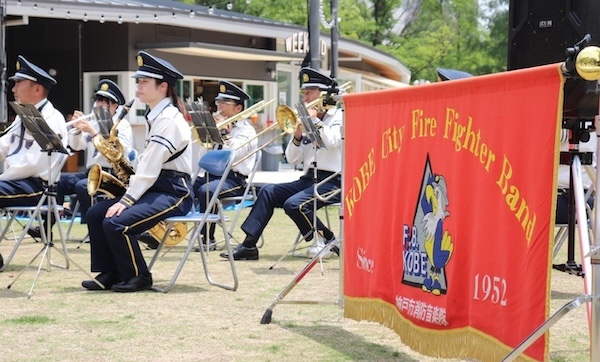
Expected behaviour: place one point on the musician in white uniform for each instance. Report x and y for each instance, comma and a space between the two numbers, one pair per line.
239, 137
159, 189
26, 167
296, 197
109, 96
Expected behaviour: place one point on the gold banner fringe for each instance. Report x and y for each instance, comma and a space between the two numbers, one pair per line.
457, 343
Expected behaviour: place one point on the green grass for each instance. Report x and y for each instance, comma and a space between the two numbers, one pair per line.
199, 322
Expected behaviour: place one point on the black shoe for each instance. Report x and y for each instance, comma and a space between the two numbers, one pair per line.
135, 284
335, 249
36, 233
242, 253
1, 261
107, 279
148, 239
212, 245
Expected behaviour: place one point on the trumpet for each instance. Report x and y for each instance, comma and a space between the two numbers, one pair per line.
87, 116
99, 115
72, 122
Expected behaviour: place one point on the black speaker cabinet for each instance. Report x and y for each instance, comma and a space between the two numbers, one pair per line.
540, 31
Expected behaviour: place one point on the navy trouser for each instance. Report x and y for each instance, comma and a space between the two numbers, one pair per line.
296, 198
205, 187
25, 192
75, 184
114, 246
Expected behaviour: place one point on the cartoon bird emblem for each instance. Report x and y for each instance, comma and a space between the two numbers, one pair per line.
438, 242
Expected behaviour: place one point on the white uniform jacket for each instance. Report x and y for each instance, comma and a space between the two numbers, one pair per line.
24, 157
241, 132
83, 140
329, 158
169, 133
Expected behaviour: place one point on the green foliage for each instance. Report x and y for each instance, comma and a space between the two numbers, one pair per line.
422, 34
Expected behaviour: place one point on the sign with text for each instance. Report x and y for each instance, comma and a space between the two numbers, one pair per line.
300, 43
449, 194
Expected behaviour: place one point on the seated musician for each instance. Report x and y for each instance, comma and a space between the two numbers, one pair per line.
239, 136
159, 189
109, 96
26, 166
296, 197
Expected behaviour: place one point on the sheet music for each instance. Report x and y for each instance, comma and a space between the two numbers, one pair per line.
309, 127
204, 123
104, 119
36, 125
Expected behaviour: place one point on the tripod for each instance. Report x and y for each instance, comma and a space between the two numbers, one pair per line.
591, 262
50, 143
577, 131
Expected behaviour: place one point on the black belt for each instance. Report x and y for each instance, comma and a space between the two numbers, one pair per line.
321, 172
238, 175
173, 174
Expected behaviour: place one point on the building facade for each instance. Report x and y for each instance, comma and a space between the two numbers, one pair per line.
80, 42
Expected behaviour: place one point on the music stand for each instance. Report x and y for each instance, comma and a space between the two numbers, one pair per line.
312, 133
104, 119
204, 122
50, 143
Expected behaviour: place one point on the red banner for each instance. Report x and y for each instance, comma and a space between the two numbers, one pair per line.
449, 199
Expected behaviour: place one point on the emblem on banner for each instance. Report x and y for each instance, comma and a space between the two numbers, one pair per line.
427, 244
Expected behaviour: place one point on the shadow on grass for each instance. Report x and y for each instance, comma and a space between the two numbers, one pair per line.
566, 296
353, 346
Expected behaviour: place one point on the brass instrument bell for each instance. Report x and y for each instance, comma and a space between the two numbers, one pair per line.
587, 63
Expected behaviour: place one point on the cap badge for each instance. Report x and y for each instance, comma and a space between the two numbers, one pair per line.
18, 65
222, 89
140, 61
104, 87
305, 78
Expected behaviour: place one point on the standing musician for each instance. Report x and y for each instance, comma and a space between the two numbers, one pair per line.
109, 96
297, 197
159, 189
239, 137
27, 168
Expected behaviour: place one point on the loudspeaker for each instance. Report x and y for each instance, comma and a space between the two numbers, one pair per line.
540, 31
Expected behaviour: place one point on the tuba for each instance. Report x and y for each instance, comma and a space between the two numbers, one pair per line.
101, 181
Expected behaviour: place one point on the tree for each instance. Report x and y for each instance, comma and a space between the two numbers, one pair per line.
469, 35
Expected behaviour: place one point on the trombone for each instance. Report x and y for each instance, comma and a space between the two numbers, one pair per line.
218, 126
287, 114
287, 125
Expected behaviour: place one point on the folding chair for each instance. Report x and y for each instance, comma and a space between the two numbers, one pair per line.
239, 201
296, 244
216, 162
35, 213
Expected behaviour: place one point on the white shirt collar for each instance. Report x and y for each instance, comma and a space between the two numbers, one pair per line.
158, 108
